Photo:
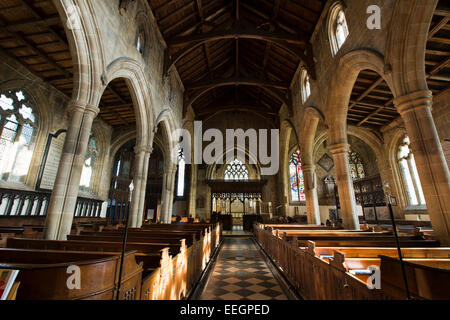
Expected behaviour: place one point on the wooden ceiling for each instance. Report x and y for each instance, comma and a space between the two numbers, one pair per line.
231, 55
31, 33
438, 51
371, 103
116, 105
237, 54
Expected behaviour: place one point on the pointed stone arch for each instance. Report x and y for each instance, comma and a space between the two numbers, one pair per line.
136, 79
342, 85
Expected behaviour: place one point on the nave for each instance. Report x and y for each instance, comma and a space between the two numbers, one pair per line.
99, 100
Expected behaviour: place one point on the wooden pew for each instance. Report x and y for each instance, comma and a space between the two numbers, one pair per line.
112, 238
378, 243
43, 274
374, 252
424, 281
295, 227
147, 253
340, 271
356, 239
436, 264
167, 276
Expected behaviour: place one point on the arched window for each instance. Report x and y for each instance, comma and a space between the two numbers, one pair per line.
140, 40
306, 86
296, 179
409, 173
337, 27
236, 170
89, 164
356, 165
181, 174
18, 127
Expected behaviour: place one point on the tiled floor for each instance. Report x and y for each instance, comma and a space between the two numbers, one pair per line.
241, 273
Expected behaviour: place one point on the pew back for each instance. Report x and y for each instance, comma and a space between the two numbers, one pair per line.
44, 274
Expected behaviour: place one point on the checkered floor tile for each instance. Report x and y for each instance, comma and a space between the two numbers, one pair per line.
241, 273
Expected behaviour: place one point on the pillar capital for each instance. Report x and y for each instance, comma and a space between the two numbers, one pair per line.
92, 109
144, 149
308, 168
170, 169
414, 101
339, 148
76, 106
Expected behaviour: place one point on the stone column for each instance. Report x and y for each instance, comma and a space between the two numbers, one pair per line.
193, 192
171, 192
345, 186
137, 180
148, 153
312, 200
65, 192
415, 110
161, 218
168, 192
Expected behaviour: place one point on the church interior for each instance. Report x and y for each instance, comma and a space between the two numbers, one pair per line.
345, 195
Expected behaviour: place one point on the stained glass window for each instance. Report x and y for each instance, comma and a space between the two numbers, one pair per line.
18, 125
296, 179
356, 166
306, 86
89, 163
409, 173
236, 170
181, 174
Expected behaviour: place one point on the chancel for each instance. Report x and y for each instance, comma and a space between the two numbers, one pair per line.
135, 164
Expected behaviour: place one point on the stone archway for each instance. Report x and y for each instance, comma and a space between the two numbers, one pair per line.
338, 100
88, 63
406, 49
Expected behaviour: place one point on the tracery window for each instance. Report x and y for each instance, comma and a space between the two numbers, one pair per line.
89, 163
236, 170
181, 174
306, 86
356, 165
409, 173
338, 28
18, 127
296, 180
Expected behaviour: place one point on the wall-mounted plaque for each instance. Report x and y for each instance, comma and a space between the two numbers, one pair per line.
50, 161
326, 162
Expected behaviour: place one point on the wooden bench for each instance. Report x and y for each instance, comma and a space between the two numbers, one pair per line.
336, 266
424, 281
43, 274
147, 253
434, 261
373, 252
112, 238
163, 260
379, 243
295, 227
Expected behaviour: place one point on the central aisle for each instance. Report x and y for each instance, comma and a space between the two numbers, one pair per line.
240, 273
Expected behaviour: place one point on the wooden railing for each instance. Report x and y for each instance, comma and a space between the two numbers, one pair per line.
176, 277
312, 277
23, 203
